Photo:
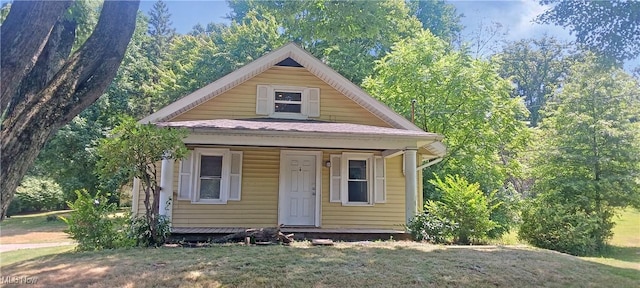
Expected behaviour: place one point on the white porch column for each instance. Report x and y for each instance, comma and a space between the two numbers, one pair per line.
410, 183
166, 188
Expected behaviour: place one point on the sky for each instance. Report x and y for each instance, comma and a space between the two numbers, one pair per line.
515, 15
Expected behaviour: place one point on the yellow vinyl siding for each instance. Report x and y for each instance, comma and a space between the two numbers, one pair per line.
389, 215
260, 189
240, 101
259, 201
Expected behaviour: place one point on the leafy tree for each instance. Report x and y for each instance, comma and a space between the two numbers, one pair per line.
160, 30
590, 149
347, 35
611, 28
457, 96
536, 67
196, 60
485, 39
437, 16
70, 157
43, 85
37, 194
136, 150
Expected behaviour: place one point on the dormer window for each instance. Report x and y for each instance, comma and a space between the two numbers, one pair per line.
291, 102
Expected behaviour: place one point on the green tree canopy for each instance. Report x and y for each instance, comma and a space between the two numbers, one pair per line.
591, 137
347, 35
589, 160
439, 17
611, 28
460, 97
535, 67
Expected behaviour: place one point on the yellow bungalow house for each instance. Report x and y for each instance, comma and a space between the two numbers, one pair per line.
287, 140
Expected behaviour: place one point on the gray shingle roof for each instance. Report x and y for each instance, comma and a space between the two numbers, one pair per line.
293, 126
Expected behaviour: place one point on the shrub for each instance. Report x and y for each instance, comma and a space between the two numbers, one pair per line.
429, 227
95, 224
36, 194
461, 216
564, 227
142, 234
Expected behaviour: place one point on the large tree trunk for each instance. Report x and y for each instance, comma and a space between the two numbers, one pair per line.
39, 98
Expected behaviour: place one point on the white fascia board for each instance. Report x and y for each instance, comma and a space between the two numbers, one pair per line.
300, 141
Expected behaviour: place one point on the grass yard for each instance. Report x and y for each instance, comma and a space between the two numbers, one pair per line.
360, 264
624, 251
366, 264
33, 228
10, 257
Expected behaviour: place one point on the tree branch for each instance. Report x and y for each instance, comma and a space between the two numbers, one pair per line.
24, 34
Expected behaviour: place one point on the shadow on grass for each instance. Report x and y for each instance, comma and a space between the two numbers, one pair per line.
384, 264
627, 254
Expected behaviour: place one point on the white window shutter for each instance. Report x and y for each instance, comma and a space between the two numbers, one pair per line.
184, 181
235, 176
336, 177
380, 181
312, 102
264, 100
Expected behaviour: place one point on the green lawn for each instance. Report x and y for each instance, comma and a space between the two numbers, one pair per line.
37, 221
10, 257
34, 228
624, 250
382, 264
361, 264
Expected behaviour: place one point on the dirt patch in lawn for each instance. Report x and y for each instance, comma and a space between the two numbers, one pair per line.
34, 237
363, 264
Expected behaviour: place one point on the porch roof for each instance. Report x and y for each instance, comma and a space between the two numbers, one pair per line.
307, 134
291, 126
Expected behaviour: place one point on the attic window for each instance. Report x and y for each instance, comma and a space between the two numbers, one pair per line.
287, 102
291, 102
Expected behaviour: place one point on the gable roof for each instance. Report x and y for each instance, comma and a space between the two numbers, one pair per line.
299, 55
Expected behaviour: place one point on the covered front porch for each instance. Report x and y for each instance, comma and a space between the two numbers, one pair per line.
272, 147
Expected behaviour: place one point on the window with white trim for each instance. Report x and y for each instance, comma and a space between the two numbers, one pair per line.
358, 188
210, 176
290, 102
357, 179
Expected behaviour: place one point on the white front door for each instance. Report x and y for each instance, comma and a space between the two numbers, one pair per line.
298, 202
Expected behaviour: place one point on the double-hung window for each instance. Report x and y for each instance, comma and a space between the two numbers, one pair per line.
210, 176
357, 179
